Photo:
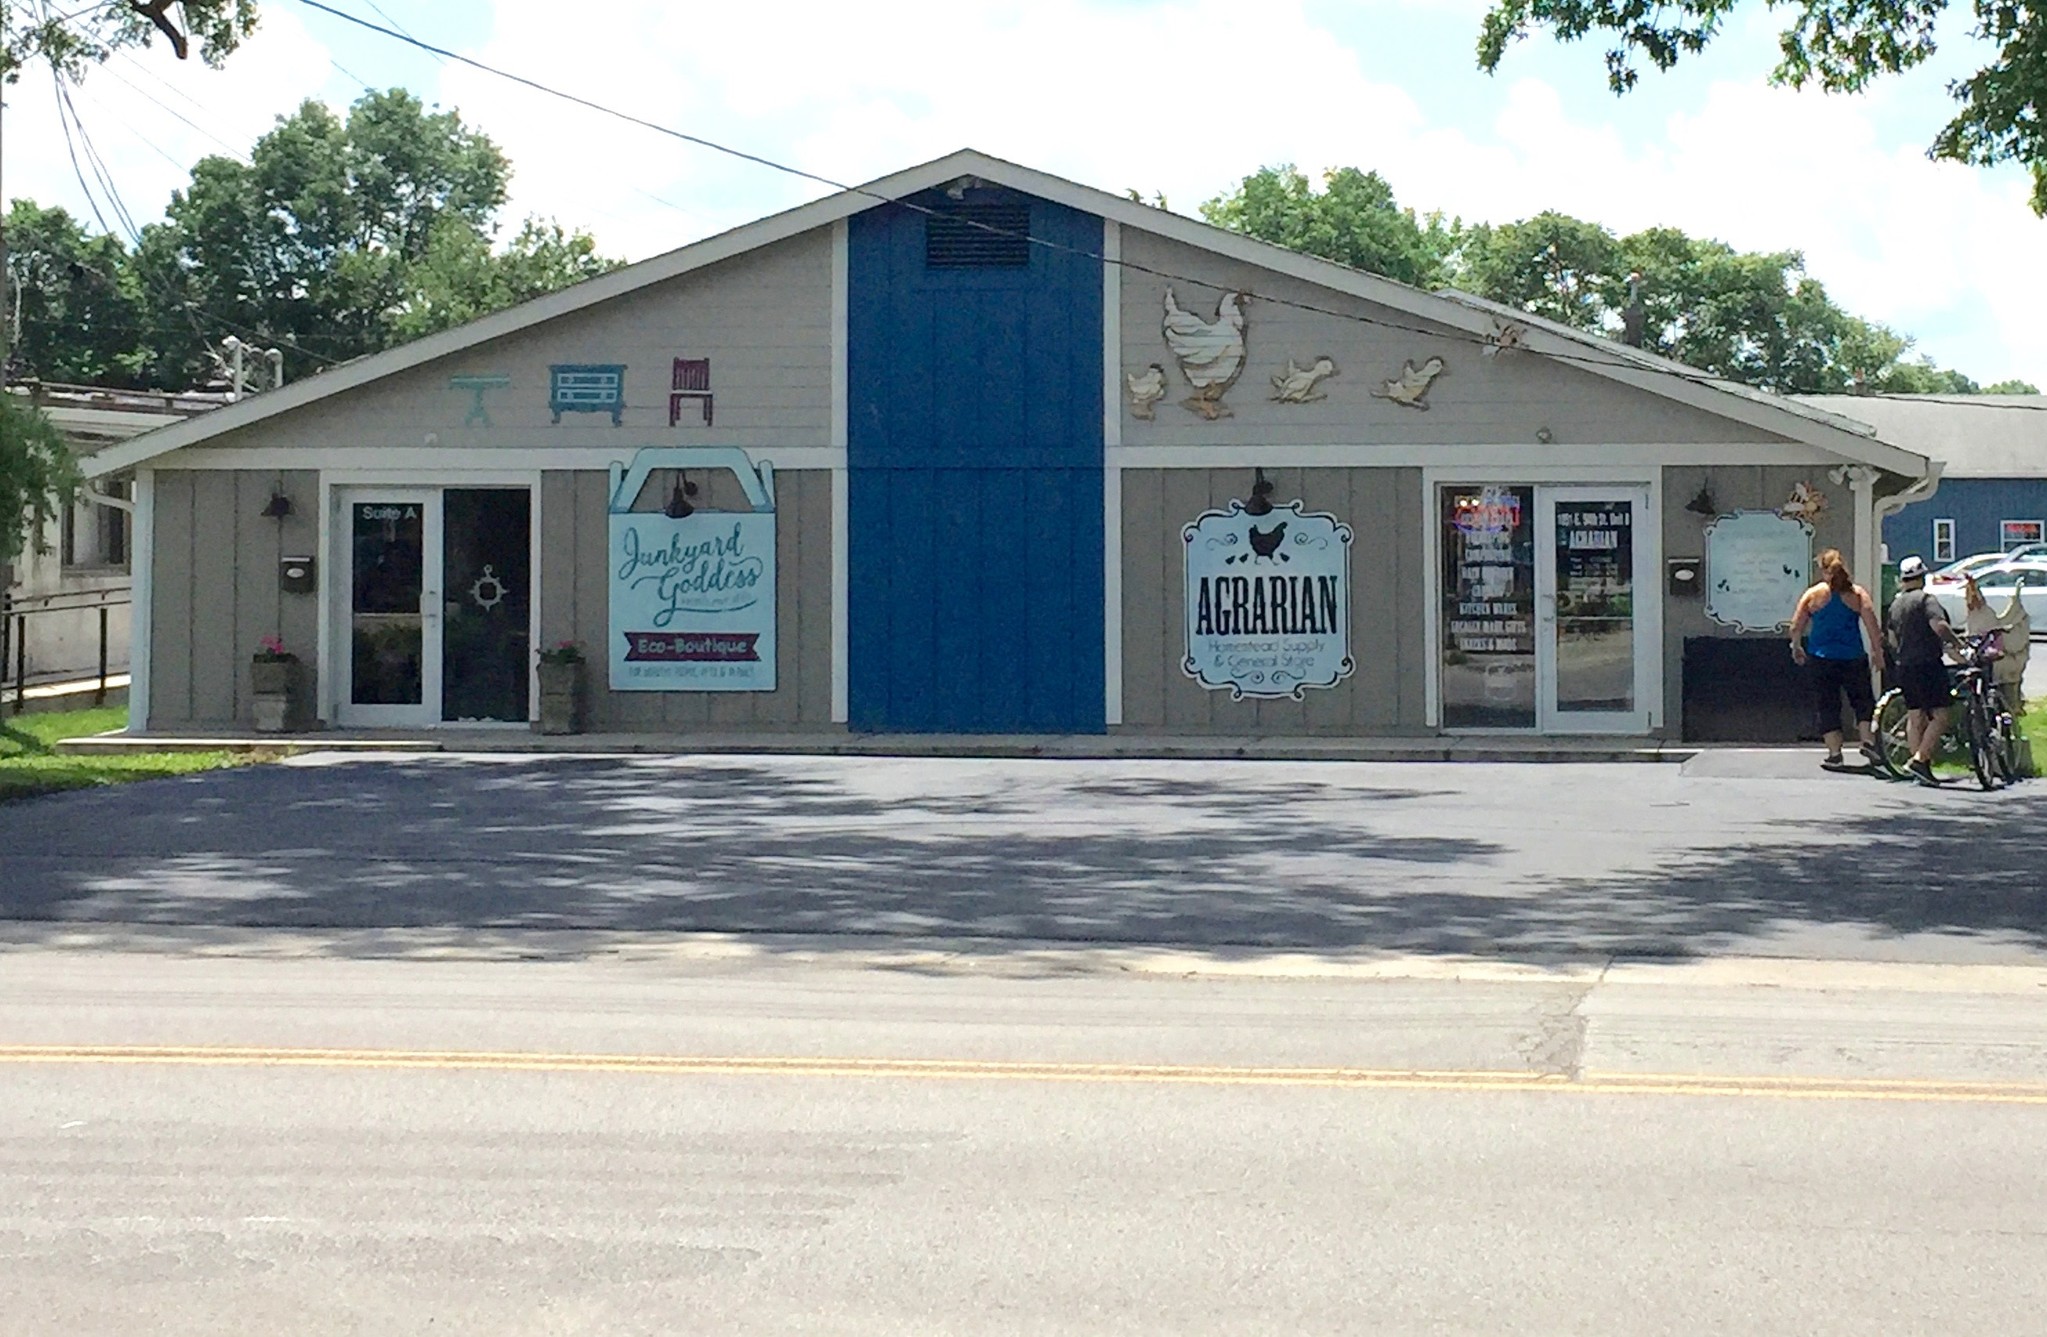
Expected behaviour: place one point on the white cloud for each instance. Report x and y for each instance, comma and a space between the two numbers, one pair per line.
1179, 96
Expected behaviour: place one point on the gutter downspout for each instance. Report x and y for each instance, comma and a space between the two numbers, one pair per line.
1918, 490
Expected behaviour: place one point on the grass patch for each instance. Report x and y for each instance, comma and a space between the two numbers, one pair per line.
2033, 726
29, 764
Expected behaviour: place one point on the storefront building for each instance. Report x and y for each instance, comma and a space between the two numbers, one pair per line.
975, 450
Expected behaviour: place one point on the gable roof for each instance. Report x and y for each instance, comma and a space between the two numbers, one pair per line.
1458, 311
1977, 436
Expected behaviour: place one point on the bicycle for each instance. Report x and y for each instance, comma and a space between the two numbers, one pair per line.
1980, 723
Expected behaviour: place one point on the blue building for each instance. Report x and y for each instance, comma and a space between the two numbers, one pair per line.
1992, 449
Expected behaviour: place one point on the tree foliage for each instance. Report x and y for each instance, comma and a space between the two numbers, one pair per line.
69, 37
1757, 318
37, 474
339, 237
1837, 45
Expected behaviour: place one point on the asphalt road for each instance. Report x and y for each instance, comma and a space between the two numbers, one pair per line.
1733, 853
700, 1137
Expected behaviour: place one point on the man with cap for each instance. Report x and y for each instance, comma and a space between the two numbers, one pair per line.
1920, 631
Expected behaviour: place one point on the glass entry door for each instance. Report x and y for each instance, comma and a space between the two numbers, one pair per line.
391, 653
1590, 645
437, 621
1537, 616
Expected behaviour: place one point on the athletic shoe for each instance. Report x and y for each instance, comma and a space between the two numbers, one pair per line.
1833, 763
1871, 755
1922, 772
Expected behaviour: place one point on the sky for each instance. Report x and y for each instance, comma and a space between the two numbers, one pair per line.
1175, 97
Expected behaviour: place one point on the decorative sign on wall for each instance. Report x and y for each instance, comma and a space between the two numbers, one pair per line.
1758, 563
1210, 352
1806, 503
692, 597
1268, 601
586, 387
478, 385
1147, 388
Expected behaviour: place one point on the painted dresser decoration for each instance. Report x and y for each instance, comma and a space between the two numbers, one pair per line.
1147, 388
1411, 386
1757, 565
478, 385
1296, 385
692, 605
1268, 598
690, 381
1210, 353
1806, 503
586, 387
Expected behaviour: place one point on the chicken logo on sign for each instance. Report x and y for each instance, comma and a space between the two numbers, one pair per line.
1268, 599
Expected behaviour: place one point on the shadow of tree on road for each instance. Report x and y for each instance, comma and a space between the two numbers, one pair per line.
1230, 858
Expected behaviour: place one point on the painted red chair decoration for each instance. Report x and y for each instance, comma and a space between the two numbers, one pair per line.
692, 381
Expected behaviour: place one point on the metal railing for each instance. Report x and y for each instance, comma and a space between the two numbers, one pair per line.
15, 613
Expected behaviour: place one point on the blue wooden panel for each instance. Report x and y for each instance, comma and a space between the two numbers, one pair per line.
974, 449
1976, 505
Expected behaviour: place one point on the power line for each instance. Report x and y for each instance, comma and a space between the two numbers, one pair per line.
1642, 363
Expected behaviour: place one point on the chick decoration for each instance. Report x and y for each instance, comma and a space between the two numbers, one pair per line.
1210, 353
1296, 385
1411, 386
1147, 388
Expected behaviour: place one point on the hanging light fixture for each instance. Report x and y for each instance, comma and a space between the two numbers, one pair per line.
678, 506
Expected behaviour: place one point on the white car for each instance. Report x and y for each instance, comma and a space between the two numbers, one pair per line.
2026, 575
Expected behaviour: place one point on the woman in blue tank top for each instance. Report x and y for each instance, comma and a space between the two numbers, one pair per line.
1827, 636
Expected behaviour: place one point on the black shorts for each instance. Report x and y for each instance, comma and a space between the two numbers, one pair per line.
1925, 686
1830, 678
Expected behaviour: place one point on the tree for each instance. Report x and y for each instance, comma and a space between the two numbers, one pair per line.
1753, 317
37, 474
88, 34
341, 237
1839, 45
1352, 220
72, 313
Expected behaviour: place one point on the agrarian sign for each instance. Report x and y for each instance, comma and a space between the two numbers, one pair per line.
1268, 601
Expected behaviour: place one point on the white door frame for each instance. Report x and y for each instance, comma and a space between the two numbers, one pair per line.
341, 570
1650, 670
1549, 718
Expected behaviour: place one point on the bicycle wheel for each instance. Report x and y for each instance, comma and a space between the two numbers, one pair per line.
2004, 736
1891, 748
1979, 726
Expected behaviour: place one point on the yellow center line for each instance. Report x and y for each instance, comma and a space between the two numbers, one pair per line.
1662, 1084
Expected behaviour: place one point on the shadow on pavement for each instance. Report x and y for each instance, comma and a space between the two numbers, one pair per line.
1525, 863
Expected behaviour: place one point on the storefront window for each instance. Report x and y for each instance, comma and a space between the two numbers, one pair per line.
1595, 551
1488, 648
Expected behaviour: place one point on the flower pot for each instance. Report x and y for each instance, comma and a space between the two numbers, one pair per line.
275, 684
561, 699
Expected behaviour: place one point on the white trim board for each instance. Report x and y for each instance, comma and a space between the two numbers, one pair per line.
1530, 459
141, 593
458, 461
1456, 312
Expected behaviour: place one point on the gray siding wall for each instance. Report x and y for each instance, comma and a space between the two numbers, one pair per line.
575, 592
1389, 584
1734, 488
214, 592
763, 319
1476, 400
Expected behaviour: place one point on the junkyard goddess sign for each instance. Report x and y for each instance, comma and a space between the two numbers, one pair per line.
693, 602
1268, 601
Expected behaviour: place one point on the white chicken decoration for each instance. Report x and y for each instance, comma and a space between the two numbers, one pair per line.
1806, 503
1296, 385
1210, 353
1411, 386
1147, 388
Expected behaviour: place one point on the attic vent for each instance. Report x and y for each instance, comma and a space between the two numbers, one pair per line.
979, 234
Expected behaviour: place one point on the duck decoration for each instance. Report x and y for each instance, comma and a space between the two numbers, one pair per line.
1147, 388
1296, 385
1210, 353
1411, 386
